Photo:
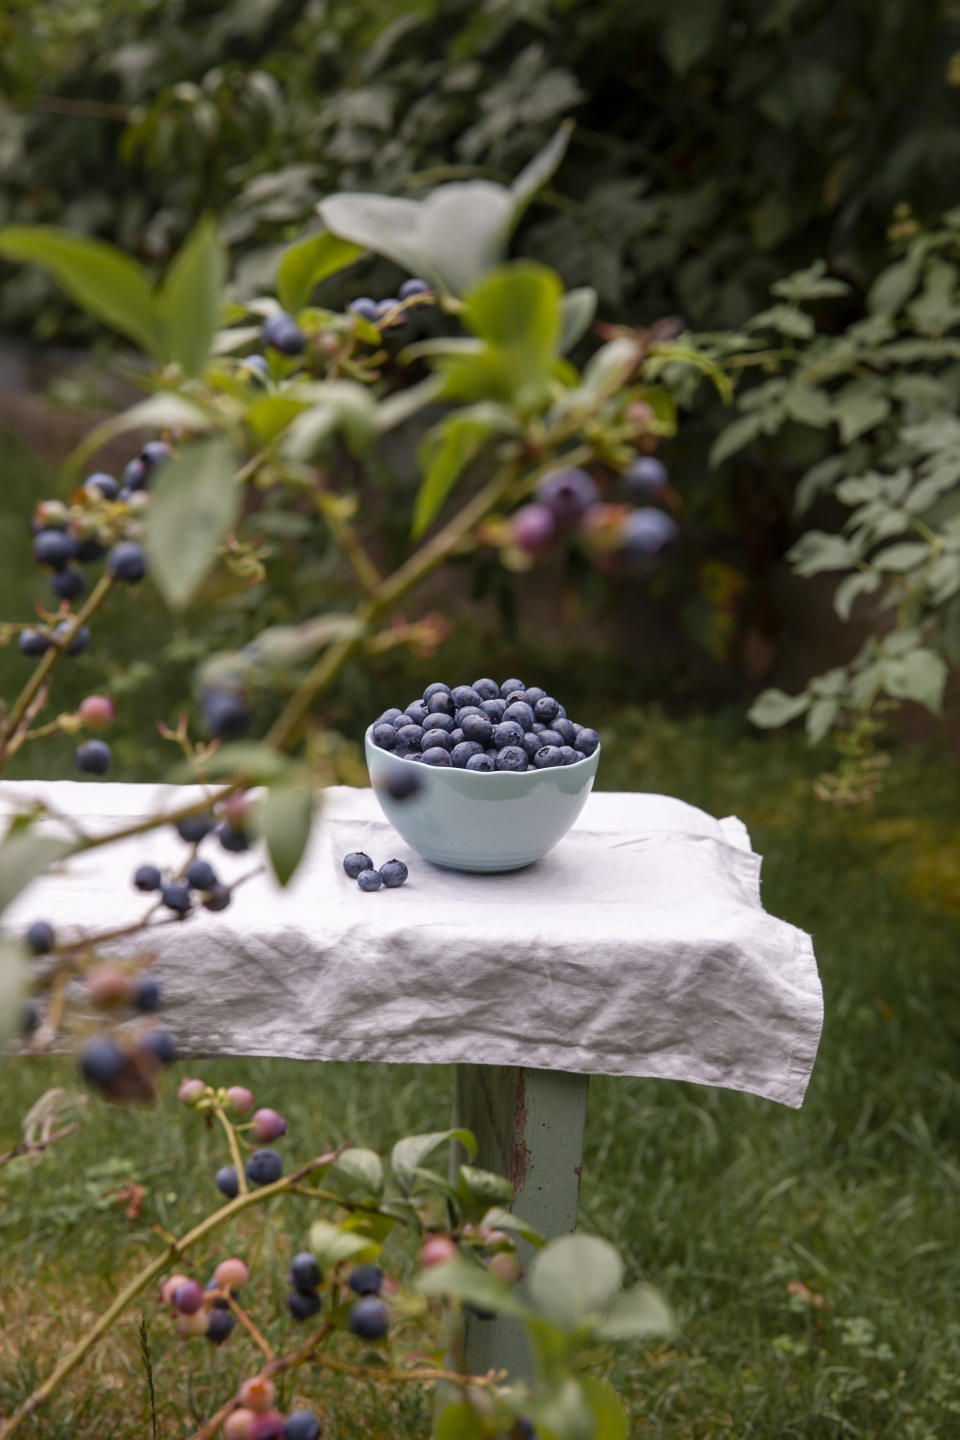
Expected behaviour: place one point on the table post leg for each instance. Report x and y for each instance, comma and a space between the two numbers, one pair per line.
529, 1126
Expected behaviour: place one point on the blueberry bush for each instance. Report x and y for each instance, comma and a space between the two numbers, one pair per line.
871, 408
268, 412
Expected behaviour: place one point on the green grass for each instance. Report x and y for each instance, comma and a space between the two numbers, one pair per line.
812, 1256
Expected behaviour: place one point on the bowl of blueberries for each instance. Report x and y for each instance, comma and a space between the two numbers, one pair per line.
481, 777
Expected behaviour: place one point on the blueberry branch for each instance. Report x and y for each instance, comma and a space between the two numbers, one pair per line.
234, 1148
258, 1338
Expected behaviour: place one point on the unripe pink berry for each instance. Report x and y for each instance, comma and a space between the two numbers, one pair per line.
168, 1287
258, 1393
267, 1126
97, 711
532, 527
266, 1426
236, 808
506, 1267
109, 986
240, 1099
499, 1238
188, 1297
237, 1424
231, 1274
436, 1249
190, 1091
189, 1326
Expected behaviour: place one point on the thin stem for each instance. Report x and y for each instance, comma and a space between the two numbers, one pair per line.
424, 1375
234, 1149
258, 1338
33, 1147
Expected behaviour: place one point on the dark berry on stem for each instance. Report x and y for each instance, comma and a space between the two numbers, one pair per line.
40, 937
646, 532
102, 1061
201, 875
218, 899
414, 286
161, 1045
355, 862
101, 486
301, 1306
301, 1425
146, 994
369, 1318
226, 714
93, 757
365, 307
195, 827
219, 1303
147, 878
266, 1425
646, 477
233, 839
263, 1167
568, 493
155, 453
89, 549
33, 643
79, 642
67, 584
176, 896
369, 880
136, 475
282, 333
126, 561
226, 1182
188, 1298
219, 1325
54, 548
365, 1279
304, 1272
393, 873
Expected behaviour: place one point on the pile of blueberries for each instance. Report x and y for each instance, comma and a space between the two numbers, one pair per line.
485, 726
360, 867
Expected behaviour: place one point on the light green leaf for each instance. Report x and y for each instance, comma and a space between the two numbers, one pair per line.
362, 1168
810, 284
904, 556
102, 280
892, 287
409, 1153
460, 1421
162, 411
238, 337
385, 224
610, 1423
13, 973
402, 405
257, 764
446, 450
818, 480
281, 645
305, 264
330, 1245
859, 407
540, 169
920, 675
578, 307
688, 31
500, 1219
196, 504
333, 405
640, 1313
285, 819
24, 855
269, 416
482, 1188
470, 1282
735, 437
774, 707
574, 1277
463, 230
817, 550
851, 587
785, 318
808, 405
820, 717
563, 1412
191, 298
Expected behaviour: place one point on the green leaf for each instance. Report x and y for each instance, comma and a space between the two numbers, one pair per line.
851, 587
810, 284
446, 450
688, 31
463, 230
285, 819
820, 717
904, 556
563, 1411
362, 1168
808, 405
330, 1244
334, 405
269, 416
892, 287
859, 407
479, 1189
577, 308
191, 298
25, 854
774, 707
920, 675
164, 411
609, 1420
283, 645
785, 318
817, 551
735, 437
474, 1284
460, 1422
402, 405
101, 279
385, 224
13, 972
303, 266
640, 1313
409, 1154
196, 504
257, 764
500, 1219
540, 169
574, 1277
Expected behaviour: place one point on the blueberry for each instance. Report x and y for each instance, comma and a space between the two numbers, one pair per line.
440, 703
232, 838
408, 738
570, 756
93, 757
220, 1303
388, 717
436, 755
465, 695
176, 896
403, 786
301, 1425
79, 642
393, 874
508, 732
478, 727
369, 880
457, 737
40, 937
102, 1061
520, 712
33, 643
161, 1045
413, 287
90, 548
146, 994
568, 493
386, 306
549, 736
461, 753
195, 827
219, 1325
384, 736
301, 1306
537, 729
509, 686
282, 333
258, 366
355, 862
437, 688
136, 475
53, 548
480, 762
646, 532
154, 454
226, 1181
29, 1017
435, 739
546, 709
437, 720
127, 562
201, 875
218, 899
225, 714
417, 712
586, 740
493, 752
101, 486
365, 1279
515, 698
512, 757
646, 477
565, 729
532, 694
67, 584
369, 1318
547, 757
493, 708
531, 744
263, 1167
365, 307
487, 689
532, 528
416, 757
304, 1273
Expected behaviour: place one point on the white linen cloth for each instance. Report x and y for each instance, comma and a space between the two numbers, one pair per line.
638, 946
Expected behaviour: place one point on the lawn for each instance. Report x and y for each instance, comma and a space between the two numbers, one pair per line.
812, 1256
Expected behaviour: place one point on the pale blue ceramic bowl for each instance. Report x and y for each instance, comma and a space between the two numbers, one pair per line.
467, 820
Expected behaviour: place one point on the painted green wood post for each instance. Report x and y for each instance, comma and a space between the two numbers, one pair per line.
529, 1126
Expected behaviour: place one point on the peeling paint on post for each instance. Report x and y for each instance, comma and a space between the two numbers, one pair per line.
529, 1126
